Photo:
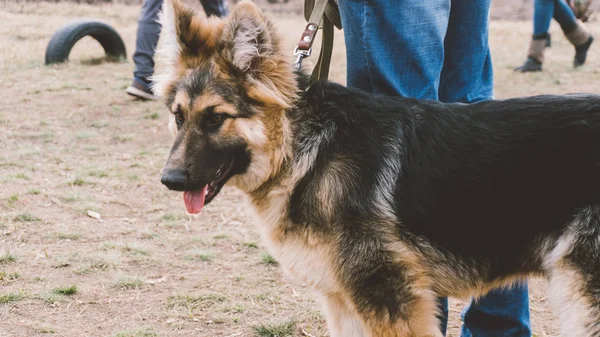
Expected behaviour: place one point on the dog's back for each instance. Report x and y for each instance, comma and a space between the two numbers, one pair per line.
487, 180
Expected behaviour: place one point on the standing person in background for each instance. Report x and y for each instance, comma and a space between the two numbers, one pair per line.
436, 50
575, 31
147, 40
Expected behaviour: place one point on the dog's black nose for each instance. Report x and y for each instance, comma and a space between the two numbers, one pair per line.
174, 179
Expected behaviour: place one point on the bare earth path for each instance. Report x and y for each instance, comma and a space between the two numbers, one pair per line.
72, 142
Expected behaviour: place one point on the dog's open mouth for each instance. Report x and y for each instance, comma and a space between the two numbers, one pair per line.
195, 200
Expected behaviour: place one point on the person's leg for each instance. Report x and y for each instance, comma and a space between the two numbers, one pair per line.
543, 11
575, 31
563, 14
214, 7
499, 313
395, 47
146, 41
467, 74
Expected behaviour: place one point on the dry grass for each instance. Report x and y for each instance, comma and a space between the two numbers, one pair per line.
73, 141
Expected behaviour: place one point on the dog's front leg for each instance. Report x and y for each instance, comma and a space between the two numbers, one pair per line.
342, 318
418, 319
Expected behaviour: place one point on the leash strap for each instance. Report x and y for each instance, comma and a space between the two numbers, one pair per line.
317, 11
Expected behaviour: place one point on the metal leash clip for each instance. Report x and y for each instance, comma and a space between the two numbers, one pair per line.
300, 55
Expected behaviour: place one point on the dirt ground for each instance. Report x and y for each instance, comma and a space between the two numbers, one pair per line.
73, 143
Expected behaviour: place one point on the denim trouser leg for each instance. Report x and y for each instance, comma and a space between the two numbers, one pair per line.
544, 10
502, 312
398, 48
146, 40
467, 74
395, 47
563, 14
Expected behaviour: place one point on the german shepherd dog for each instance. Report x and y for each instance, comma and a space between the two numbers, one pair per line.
381, 204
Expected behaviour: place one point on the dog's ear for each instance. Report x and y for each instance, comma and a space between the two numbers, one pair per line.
251, 45
249, 38
187, 41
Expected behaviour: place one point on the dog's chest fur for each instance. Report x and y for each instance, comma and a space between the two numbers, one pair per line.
303, 254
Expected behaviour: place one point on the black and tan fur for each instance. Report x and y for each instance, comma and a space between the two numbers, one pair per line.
381, 204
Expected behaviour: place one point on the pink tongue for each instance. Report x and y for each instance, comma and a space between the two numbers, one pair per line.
194, 200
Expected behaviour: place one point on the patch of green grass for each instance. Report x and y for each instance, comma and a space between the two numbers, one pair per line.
65, 290
69, 199
192, 301
26, 217
11, 297
52, 298
85, 135
65, 236
236, 309
133, 178
45, 329
275, 330
250, 244
121, 138
13, 276
21, 176
143, 332
46, 137
171, 217
199, 255
64, 260
134, 249
79, 182
9, 276
220, 237
12, 199
129, 282
267, 259
34, 192
97, 263
152, 116
99, 124
97, 174
126, 247
7, 258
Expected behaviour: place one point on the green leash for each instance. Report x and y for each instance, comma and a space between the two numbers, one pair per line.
326, 14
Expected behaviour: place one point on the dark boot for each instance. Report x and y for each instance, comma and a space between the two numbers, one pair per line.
581, 38
535, 56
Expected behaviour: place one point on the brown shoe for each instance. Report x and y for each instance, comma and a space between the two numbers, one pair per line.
140, 90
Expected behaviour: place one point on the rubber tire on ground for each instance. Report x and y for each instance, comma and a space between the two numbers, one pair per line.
64, 39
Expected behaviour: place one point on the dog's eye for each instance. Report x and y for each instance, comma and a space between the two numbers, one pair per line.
178, 118
216, 119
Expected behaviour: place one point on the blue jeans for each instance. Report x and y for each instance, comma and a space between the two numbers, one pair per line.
436, 50
543, 12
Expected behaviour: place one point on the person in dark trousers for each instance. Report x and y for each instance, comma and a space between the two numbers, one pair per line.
147, 39
575, 31
434, 50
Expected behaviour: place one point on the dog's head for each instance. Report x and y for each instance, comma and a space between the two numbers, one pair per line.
227, 85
